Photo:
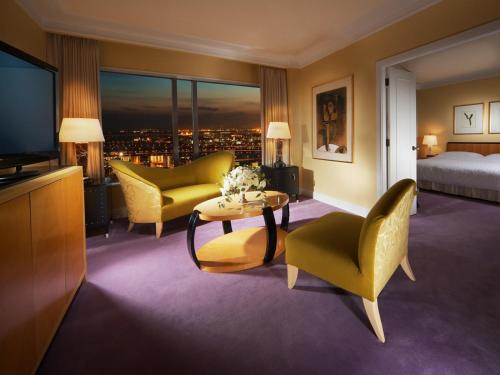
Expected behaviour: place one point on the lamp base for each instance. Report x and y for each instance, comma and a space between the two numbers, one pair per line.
279, 164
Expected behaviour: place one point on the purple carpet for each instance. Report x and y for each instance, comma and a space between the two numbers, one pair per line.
146, 309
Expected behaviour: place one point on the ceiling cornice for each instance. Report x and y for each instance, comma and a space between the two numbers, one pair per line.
116, 33
319, 51
170, 41
463, 78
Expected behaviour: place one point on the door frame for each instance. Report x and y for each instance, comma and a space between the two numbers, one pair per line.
381, 69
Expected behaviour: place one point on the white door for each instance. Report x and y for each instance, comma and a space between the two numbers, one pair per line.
401, 127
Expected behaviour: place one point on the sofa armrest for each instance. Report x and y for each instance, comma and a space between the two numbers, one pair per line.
144, 201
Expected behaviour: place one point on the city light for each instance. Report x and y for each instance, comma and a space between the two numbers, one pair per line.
155, 147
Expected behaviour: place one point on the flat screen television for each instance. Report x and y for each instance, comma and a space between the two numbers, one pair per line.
28, 109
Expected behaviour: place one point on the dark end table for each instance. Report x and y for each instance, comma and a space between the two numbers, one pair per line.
97, 208
284, 179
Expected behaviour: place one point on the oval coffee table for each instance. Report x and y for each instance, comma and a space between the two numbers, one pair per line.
245, 248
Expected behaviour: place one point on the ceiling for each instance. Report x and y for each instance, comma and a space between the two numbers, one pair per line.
476, 59
287, 33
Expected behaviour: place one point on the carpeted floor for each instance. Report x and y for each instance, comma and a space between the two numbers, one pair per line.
146, 309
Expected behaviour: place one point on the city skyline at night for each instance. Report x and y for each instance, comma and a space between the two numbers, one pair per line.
137, 120
137, 101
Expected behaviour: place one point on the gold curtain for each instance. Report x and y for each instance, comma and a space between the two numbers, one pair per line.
274, 107
78, 62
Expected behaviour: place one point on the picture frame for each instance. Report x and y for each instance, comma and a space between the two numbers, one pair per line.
332, 123
468, 119
494, 117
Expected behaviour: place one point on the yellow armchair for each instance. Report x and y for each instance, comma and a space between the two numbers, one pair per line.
356, 254
155, 195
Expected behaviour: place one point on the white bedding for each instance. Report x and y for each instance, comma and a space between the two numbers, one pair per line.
461, 169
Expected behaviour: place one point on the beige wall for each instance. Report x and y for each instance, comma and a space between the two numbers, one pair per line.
20, 31
435, 110
133, 57
355, 183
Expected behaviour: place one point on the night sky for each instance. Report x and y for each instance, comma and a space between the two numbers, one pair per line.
135, 102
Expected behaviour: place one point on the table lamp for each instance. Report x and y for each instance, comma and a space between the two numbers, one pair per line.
278, 131
429, 140
80, 130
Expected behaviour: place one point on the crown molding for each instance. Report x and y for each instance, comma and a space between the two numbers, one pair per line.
116, 33
367, 28
461, 79
170, 41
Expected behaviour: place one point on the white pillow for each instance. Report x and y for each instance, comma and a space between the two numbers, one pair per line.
461, 155
493, 157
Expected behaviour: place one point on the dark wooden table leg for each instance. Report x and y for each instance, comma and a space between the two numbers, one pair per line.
226, 225
190, 236
272, 235
285, 217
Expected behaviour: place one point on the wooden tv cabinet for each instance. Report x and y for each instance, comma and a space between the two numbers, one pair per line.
42, 263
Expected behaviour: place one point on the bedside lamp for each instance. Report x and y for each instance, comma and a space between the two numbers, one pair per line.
429, 140
278, 131
80, 130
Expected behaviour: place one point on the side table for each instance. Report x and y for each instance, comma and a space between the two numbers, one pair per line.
97, 207
284, 179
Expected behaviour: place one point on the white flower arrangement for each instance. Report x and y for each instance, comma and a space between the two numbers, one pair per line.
241, 180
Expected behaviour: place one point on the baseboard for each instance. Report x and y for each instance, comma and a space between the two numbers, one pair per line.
343, 205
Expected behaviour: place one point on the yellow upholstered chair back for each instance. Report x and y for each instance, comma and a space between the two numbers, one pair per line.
383, 241
205, 170
211, 168
159, 177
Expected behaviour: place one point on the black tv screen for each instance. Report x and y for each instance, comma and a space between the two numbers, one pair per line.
27, 104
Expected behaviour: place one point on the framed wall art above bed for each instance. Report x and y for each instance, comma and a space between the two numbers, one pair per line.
332, 121
494, 117
468, 119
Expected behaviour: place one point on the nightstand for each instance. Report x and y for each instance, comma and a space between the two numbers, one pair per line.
97, 208
284, 179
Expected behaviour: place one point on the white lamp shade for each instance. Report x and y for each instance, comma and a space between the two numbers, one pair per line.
278, 130
430, 140
81, 130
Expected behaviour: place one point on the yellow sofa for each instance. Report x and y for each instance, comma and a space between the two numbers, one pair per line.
359, 255
155, 195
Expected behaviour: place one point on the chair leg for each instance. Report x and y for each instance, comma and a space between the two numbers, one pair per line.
405, 265
292, 272
159, 228
371, 309
130, 227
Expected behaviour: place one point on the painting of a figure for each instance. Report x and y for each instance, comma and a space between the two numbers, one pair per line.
332, 121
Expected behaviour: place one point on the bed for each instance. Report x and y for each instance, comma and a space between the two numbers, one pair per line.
467, 169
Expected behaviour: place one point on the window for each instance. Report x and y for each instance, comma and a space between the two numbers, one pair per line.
185, 120
229, 119
137, 118
163, 122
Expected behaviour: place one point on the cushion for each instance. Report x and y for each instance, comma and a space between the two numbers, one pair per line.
493, 158
328, 249
180, 201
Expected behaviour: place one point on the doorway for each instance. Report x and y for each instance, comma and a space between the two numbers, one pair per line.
396, 118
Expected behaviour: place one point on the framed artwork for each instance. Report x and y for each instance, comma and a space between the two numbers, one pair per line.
332, 121
468, 119
494, 117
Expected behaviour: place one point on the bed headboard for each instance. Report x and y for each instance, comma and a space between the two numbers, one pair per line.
484, 148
